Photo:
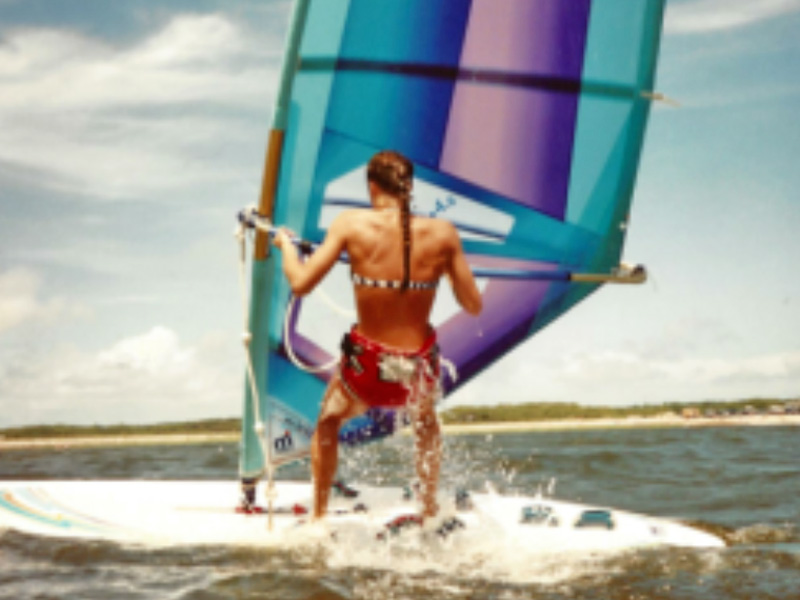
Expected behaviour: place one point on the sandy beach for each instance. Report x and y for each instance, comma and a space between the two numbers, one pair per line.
665, 421
121, 440
627, 423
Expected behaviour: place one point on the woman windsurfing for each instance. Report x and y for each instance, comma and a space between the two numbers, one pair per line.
390, 356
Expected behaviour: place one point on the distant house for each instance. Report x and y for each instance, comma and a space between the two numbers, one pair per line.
690, 413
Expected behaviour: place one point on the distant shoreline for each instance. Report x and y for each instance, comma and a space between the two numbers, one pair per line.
154, 439
665, 422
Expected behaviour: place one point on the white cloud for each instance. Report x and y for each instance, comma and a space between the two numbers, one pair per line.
123, 156
191, 40
703, 16
619, 377
194, 59
630, 378
155, 376
128, 122
148, 377
21, 302
154, 353
624, 367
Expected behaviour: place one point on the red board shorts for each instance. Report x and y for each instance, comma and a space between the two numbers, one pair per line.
382, 376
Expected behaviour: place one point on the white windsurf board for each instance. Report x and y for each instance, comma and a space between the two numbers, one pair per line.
204, 512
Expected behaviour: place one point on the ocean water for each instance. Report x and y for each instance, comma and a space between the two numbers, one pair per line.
742, 483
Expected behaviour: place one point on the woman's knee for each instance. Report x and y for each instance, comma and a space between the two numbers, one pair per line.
335, 403
426, 421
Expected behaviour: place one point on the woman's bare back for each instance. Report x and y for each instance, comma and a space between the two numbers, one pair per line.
374, 241
375, 245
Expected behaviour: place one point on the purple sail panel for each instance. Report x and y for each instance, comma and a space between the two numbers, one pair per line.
512, 124
304, 349
509, 308
542, 37
514, 142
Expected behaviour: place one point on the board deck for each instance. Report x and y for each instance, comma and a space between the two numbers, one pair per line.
204, 512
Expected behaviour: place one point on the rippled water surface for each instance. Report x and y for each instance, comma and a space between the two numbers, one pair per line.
741, 483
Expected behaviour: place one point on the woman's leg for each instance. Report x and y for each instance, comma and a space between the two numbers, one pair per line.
428, 451
337, 406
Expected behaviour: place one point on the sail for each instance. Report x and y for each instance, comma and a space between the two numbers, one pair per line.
525, 121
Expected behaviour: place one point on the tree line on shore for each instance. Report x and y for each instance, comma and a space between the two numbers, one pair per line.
551, 411
206, 426
539, 411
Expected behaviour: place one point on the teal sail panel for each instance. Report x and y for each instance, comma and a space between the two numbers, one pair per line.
525, 121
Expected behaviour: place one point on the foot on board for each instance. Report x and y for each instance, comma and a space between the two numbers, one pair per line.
404, 522
342, 489
250, 509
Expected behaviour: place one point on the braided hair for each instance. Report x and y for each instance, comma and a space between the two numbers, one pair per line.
394, 174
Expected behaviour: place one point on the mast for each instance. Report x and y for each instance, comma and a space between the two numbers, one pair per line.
256, 449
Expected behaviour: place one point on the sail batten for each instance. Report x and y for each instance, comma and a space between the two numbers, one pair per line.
534, 81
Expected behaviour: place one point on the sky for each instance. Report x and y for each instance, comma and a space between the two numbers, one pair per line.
131, 133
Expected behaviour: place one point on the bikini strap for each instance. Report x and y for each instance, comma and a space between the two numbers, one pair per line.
392, 284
